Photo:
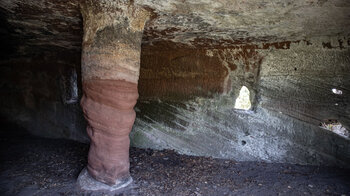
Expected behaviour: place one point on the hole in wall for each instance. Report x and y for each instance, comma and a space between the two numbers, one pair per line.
336, 127
243, 100
337, 91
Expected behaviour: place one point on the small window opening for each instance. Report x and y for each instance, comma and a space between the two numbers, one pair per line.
337, 91
243, 100
336, 127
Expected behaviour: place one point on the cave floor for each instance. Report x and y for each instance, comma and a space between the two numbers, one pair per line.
38, 166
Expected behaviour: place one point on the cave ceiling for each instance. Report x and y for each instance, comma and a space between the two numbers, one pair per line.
197, 23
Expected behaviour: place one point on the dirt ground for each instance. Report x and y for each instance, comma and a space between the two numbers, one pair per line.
38, 166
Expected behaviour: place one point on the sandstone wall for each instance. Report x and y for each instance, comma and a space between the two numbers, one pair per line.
291, 90
195, 57
187, 98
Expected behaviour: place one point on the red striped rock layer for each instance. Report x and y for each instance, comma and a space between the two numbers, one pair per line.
108, 108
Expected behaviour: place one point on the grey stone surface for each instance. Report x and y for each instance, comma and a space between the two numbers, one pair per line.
86, 183
293, 95
291, 92
193, 22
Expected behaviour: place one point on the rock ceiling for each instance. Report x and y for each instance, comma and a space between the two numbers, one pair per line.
192, 22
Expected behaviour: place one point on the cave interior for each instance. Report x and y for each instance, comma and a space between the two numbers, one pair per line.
214, 81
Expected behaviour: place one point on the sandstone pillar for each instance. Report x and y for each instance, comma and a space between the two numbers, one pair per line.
110, 71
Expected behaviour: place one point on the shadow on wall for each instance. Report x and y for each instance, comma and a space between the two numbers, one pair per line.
289, 96
40, 92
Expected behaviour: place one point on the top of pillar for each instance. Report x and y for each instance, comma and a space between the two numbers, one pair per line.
97, 14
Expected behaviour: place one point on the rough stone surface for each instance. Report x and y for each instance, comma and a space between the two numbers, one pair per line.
195, 22
39, 167
87, 183
110, 70
195, 56
293, 94
108, 109
180, 74
219, 23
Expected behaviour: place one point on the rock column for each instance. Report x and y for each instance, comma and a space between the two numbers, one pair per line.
110, 71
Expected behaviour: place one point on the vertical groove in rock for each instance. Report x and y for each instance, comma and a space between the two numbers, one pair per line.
110, 71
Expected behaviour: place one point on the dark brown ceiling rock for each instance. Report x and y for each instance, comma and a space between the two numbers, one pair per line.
193, 22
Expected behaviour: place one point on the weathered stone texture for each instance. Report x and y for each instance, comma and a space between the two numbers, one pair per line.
35, 93
223, 23
108, 108
195, 57
195, 22
180, 74
293, 95
110, 70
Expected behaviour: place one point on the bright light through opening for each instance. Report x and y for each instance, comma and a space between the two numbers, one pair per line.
243, 100
336, 91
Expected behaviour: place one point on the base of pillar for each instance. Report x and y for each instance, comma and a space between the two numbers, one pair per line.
87, 183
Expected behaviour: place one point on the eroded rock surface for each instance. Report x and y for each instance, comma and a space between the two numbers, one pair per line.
291, 92
110, 70
195, 57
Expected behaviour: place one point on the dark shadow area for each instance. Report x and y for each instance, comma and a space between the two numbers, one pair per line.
36, 166
195, 58
10, 130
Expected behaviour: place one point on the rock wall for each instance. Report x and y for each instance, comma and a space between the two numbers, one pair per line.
40, 91
195, 57
40, 67
291, 91
291, 94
